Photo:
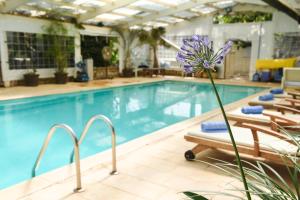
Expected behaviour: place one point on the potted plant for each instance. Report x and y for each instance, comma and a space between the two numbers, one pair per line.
59, 50
154, 39
31, 78
213, 72
128, 38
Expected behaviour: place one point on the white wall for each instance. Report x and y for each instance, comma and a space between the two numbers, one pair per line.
220, 33
33, 25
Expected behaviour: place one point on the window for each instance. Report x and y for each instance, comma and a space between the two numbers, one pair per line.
30, 50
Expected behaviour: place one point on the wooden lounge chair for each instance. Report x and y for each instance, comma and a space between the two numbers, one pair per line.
294, 94
281, 118
252, 140
288, 102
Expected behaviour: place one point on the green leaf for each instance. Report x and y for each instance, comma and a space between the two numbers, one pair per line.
194, 196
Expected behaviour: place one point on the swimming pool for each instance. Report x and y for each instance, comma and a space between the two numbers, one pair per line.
135, 111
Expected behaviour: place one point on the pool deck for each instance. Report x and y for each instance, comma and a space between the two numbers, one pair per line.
150, 167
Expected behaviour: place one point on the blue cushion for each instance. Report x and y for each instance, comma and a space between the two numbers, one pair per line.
276, 91
213, 126
267, 97
252, 109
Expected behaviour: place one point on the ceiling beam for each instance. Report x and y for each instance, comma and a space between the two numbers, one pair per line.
105, 9
284, 8
12, 4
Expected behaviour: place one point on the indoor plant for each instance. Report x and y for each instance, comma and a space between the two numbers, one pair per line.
153, 39
197, 54
59, 50
128, 38
31, 78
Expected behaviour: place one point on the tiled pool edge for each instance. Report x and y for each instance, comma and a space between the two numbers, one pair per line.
75, 87
66, 173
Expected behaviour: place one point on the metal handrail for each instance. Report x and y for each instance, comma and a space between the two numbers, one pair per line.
113, 139
72, 134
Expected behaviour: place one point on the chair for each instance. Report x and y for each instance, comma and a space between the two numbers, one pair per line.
287, 102
291, 78
280, 117
294, 94
251, 140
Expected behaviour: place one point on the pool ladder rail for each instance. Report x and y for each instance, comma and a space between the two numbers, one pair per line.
76, 144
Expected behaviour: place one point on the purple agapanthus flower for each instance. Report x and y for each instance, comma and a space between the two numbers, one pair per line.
197, 53
188, 69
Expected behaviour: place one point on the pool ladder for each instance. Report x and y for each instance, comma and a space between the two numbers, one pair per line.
76, 143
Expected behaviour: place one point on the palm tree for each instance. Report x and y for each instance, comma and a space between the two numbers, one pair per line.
127, 37
153, 38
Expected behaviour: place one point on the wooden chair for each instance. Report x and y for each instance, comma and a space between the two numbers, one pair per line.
252, 140
267, 117
288, 102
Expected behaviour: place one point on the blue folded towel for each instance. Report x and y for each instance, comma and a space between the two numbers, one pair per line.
252, 109
213, 126
276, 91
267, 97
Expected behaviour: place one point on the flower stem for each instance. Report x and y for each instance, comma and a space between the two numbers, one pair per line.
231, 136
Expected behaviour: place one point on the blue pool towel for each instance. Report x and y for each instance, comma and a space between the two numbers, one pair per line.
213, 126
267, 97
276, 91
252, 109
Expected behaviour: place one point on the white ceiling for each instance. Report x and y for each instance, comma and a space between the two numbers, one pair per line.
132, 13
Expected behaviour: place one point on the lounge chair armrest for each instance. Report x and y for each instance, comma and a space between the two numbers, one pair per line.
282, 109
293, 101
268, 131
275, 117
294, 94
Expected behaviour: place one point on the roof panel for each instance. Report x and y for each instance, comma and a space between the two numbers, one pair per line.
174, 2
185, 14
89, 3
110, 17
149, 5
224, 4
126, 11
170, 19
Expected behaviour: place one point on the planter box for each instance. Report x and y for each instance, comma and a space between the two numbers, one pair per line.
100, 72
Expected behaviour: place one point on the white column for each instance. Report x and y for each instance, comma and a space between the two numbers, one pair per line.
121, 55
4, 59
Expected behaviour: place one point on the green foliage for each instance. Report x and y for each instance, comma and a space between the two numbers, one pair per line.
91, 47
242, 17
263, 180
115, 50
127, 37
194, 196
153, 38
59, 49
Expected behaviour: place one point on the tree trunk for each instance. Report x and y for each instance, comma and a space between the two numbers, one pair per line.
155, 59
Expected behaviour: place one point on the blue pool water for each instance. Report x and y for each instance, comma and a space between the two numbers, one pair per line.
134, 110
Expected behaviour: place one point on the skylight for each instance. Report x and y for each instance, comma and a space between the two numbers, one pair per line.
174, 2
89, 3
204, 10
185, 14
126, 11
170, 19
224, 4
110, 17
149, 5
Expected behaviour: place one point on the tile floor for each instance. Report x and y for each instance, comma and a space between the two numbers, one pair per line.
151, 167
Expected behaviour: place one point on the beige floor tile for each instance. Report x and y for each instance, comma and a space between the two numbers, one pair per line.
104, 192
22, 189
136, 186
